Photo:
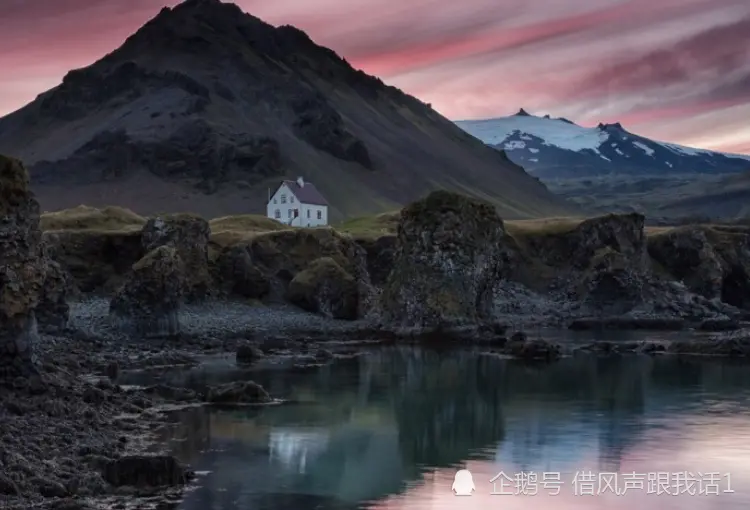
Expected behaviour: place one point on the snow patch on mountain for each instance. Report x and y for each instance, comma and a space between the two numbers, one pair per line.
552, 148
555, 132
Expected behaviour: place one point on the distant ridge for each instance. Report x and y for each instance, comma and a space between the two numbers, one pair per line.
558, 148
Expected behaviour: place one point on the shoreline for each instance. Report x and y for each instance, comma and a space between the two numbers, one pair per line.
74, 419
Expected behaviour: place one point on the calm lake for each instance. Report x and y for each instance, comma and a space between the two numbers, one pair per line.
390, 429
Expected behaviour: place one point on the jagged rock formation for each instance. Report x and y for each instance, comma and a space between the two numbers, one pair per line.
241, 105
451, 251
23, 271
711, 261
149, 301
189, 235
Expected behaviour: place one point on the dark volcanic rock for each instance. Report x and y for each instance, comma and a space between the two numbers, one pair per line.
266, 265
325, 288
53, 310
239, 275
627, 323
451, 252
735, 344
711, 261
248, 353
189, 236
238, 392
146, 471
381, 254
149, 301
323, 128
22, 270
96, 260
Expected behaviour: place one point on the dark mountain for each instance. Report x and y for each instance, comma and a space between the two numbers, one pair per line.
205, 107
557, 148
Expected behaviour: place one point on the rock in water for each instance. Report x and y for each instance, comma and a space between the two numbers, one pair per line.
188, 235
149, 301
450, 254
22, 270
325, 288
146, 471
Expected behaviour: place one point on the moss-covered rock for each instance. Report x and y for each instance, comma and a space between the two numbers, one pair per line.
450, 254
97, 260
325, 288
189, 235
149, 301
268, 262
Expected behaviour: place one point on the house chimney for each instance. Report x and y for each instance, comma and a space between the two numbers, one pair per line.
301, 182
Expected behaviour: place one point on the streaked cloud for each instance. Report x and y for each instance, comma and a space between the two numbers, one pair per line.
677, 70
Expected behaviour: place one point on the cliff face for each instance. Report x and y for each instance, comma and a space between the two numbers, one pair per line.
205, 107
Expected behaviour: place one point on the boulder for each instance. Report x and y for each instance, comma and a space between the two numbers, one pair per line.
451, 251
325, 288
149, 301
238, 392
711, 261
535, 349
247, 353
188, 235
22, 271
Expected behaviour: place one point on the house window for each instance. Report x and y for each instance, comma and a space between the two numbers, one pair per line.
308, 213
289, 213
274, 201
277, 214
283, 199
320, 215
291, 199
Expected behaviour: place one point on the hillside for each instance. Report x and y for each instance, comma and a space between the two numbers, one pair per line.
205, 107
558, 148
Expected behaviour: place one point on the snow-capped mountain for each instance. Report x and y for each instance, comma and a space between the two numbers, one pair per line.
558, 148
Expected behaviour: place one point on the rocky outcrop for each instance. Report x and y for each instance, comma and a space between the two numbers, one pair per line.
239, 275
265, 265
711, 261
97, 260
381, 253
325, 288
22, 270
189, 236
450, 254
149, 301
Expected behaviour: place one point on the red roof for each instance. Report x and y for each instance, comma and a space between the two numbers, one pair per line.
307, 194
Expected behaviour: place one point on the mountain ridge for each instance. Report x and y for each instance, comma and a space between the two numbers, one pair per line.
206, 106
558, 148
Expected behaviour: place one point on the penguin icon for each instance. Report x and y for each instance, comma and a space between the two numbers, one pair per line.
463, 483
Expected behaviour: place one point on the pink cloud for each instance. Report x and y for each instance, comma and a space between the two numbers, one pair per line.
653, 65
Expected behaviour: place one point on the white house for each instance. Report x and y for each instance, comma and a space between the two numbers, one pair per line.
298, 203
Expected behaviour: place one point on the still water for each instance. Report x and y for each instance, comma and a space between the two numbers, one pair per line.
390, 429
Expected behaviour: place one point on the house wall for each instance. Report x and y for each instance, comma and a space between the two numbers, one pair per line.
284, 202
309, 215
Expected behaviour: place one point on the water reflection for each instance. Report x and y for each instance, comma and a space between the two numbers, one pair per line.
390, 429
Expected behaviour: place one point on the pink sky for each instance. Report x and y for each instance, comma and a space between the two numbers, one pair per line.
675, 70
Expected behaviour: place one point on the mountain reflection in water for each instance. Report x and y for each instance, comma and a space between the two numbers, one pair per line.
389, 430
